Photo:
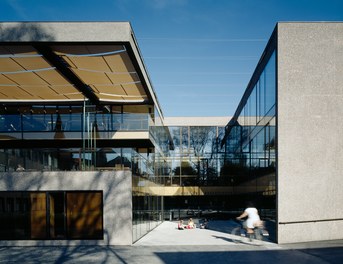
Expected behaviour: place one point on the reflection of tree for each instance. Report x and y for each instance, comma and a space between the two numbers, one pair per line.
200, 145
200, 139
186, 169
161, 135
234, 168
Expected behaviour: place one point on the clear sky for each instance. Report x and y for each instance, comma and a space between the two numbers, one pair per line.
200, 54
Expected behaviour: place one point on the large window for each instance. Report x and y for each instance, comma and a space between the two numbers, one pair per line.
51, 215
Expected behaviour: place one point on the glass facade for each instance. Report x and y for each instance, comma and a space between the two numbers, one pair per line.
147, 205
80, 138
67, 137
68, 122
195, 159
250, 145
192, 169
147, 213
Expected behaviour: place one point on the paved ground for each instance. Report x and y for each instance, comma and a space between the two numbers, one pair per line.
166, 244
219, 233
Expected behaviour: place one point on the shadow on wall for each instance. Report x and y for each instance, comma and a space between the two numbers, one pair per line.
24, 31
93, 219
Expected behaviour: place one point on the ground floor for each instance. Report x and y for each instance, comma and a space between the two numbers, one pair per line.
96, 207
107, 208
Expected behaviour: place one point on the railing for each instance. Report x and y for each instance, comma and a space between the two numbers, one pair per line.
59, 126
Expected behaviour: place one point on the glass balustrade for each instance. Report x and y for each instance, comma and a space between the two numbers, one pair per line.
70, 126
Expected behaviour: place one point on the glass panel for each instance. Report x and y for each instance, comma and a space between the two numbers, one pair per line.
84, 215
135, 122
10, 123
14, 215
36, 122
253, 106
104, 122
270, 83
72, 122
147, 214
38, 215
262, 98
185, 138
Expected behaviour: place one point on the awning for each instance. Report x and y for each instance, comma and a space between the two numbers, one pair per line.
52, 72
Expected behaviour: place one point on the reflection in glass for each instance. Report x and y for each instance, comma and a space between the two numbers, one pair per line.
249, 165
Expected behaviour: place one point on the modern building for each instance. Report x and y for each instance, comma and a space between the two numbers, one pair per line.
289, 126
77, 108
87, 157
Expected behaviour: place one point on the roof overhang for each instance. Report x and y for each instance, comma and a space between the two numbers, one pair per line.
72, 61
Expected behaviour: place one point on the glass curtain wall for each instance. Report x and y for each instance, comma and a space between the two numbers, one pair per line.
194, 164
149, 168
85, 125
195, 159
250, 146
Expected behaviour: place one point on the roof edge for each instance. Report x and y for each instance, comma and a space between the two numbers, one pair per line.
65, 31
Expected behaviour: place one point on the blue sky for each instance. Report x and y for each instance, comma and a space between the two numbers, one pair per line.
200, 54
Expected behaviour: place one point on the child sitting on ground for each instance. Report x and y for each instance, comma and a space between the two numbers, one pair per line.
191, 224
180, 225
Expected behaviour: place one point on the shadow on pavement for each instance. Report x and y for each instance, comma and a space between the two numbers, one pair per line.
173, 254
313, 256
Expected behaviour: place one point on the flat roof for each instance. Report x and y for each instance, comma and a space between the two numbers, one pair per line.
72, 61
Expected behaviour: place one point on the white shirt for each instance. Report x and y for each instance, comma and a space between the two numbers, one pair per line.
253, 216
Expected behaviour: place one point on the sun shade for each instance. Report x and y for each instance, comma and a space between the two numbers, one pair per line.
104, 72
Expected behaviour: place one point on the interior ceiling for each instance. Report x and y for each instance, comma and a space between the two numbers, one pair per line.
100, 73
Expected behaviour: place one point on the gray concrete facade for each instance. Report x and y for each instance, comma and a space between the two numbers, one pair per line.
66, 31
117, 200
309, 130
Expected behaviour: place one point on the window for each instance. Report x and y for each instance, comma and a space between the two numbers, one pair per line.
51, 215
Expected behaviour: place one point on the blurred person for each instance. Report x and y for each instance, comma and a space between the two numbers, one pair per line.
252, 218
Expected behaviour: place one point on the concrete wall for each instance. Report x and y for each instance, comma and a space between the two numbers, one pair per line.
117, 200
65, 31
310, 131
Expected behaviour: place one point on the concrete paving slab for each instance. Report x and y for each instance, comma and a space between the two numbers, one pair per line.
165, 244
219, 233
